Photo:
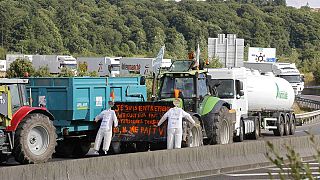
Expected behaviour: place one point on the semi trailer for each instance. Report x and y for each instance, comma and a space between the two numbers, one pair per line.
260, 101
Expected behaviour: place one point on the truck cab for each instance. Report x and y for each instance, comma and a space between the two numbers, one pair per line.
289, 72
231, 86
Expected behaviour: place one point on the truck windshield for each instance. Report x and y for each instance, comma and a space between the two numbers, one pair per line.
291, 78
70, 66
185, 85
225, 88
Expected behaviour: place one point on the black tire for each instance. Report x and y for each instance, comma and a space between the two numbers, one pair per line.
240, 138
286, 126
194, 137
256, 133
280, 127
34, 130
116, 147
292, 125
222, 132
81, 148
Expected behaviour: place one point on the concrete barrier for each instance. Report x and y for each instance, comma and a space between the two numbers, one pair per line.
164, 164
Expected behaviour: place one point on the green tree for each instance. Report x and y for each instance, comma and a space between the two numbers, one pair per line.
20, 68
42, 72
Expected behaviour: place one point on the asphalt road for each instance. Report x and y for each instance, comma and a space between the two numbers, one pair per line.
263, 173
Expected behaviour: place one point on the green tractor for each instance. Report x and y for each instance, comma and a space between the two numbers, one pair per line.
215, 116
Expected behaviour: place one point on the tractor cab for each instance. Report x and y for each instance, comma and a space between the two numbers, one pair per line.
12, 97
191, 84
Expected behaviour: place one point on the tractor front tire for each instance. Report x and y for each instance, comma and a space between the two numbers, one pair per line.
222, 128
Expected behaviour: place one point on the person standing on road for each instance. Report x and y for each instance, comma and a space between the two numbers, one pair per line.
174, 131
108, 118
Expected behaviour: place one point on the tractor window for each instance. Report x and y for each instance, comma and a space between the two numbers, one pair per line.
202, 86
15, 97
185, 85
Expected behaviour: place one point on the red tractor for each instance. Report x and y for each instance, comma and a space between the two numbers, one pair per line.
26, 132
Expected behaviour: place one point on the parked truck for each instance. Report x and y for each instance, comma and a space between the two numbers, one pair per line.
287, 71
260, 101
54, 62
104, 66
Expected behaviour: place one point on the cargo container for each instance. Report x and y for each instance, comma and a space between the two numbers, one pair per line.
74, 103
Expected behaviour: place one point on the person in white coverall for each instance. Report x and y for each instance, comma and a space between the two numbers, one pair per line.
108, 118
174, 131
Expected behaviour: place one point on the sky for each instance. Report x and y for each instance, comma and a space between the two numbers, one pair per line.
299, 3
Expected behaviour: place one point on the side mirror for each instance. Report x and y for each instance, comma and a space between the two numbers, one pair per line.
241, 93
241, 87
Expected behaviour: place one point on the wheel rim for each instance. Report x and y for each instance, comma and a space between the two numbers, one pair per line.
190, 139
38, 140
224, 133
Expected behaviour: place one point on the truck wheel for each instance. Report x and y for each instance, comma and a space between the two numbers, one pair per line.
35, 139
292, 125
194, 135
222, 128
280, 127
240, 138
81, 148
286, 126
256, 133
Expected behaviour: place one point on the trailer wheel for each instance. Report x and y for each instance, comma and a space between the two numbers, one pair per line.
292, 124
286, 126
116, 147
35, 139
194, 136
222, 128
280, 127
240, 138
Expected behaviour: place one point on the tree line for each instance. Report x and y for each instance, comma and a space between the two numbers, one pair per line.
141, 27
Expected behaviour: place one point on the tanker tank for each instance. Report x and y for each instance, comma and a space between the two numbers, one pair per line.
268, 93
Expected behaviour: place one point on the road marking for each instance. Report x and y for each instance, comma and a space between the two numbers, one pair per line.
276, 169
252, 174
263, 174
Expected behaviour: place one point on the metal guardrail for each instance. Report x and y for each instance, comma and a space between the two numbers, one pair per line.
308, 117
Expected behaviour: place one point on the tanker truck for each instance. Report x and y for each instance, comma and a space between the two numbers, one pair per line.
260, 101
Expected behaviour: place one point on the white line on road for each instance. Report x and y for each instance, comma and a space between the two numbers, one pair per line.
262, 174
276, 169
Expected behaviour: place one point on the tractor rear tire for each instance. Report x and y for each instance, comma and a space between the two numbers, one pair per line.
222, 128
35, 139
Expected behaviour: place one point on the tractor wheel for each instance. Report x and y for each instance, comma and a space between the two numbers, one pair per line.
35, 139
194, 136
222, 128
